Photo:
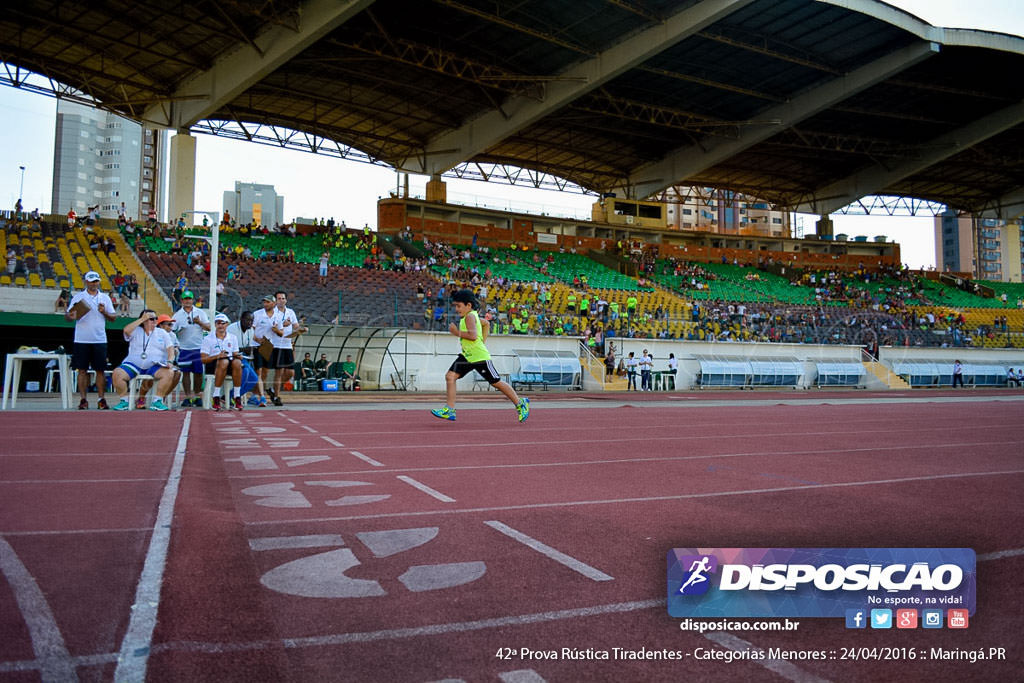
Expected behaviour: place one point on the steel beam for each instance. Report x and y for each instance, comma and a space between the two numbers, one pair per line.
875, 179
688, 161
465, 142
234, 73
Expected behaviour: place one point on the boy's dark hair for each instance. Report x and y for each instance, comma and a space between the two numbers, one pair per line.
465, 296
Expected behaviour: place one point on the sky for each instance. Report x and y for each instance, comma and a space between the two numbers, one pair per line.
318, 186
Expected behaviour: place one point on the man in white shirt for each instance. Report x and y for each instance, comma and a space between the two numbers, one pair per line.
245, 333
631, 365
90, 347
261, 339
284, 326
190, 324
150, 352
646, 365
219, 353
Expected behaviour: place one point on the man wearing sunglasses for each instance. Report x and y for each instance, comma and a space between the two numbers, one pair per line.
150, 352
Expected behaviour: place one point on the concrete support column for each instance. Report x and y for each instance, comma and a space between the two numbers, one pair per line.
181, 193
437, 191
823, 228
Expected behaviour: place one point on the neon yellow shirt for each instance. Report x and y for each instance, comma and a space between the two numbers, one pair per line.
473, 351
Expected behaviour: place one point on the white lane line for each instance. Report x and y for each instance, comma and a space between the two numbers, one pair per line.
138, 639
290, 542
556, 555
665, 458
332, 441
294, 422
47, 642
310, 429
782, 667
366, 458
426, 489
648, 499
1000, 554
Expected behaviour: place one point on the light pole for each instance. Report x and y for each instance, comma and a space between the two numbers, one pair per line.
21, 188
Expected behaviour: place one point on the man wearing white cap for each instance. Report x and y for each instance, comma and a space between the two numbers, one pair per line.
219, 352
190, 324
91, 310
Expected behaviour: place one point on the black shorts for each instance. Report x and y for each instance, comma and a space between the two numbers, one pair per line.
89, 357
484, 368
258, 363
282, 359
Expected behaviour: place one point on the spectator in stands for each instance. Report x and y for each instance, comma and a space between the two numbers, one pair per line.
61, 304
190, 322
72, 217
472, 333
150, 352
958, 373
90, 347
132, 286
220, 353
284, 328
12, 260
325, 259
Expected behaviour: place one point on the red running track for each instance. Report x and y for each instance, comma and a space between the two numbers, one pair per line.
373, 545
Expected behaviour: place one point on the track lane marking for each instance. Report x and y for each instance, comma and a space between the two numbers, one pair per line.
367, 459
546, 550
619, 461
138, 639
48, 644
426, 489
647, 499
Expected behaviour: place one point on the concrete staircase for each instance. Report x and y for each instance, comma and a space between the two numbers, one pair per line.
887, 376
155, 296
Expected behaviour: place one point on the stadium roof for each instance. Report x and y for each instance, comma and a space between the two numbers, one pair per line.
809, 104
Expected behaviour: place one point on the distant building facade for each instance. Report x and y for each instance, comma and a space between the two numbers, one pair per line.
724, 212
106, 160
253, 203
995, 252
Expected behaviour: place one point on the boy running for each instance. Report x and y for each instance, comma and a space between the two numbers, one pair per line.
472, 332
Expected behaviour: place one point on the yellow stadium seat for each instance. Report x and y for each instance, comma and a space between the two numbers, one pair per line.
50, 283
19, 281
35, 280
5, 279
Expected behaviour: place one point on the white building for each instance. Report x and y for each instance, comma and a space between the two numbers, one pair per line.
103, 159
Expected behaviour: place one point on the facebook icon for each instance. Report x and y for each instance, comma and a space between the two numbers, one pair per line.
856, 618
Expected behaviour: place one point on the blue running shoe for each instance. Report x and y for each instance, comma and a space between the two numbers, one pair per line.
445, 413
523, 408
123, 404
158, 404
254, 401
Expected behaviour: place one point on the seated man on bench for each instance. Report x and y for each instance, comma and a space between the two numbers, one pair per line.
218, 353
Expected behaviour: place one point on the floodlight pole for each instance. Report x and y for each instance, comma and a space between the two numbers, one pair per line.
21, 188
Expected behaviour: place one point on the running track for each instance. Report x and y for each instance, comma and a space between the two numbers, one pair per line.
376, 543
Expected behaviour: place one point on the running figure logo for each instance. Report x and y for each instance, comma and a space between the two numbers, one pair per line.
696, 581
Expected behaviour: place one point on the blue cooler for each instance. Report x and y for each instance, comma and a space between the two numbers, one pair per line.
328, 385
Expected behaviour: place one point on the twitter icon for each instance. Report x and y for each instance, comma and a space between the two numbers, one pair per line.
881, 618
